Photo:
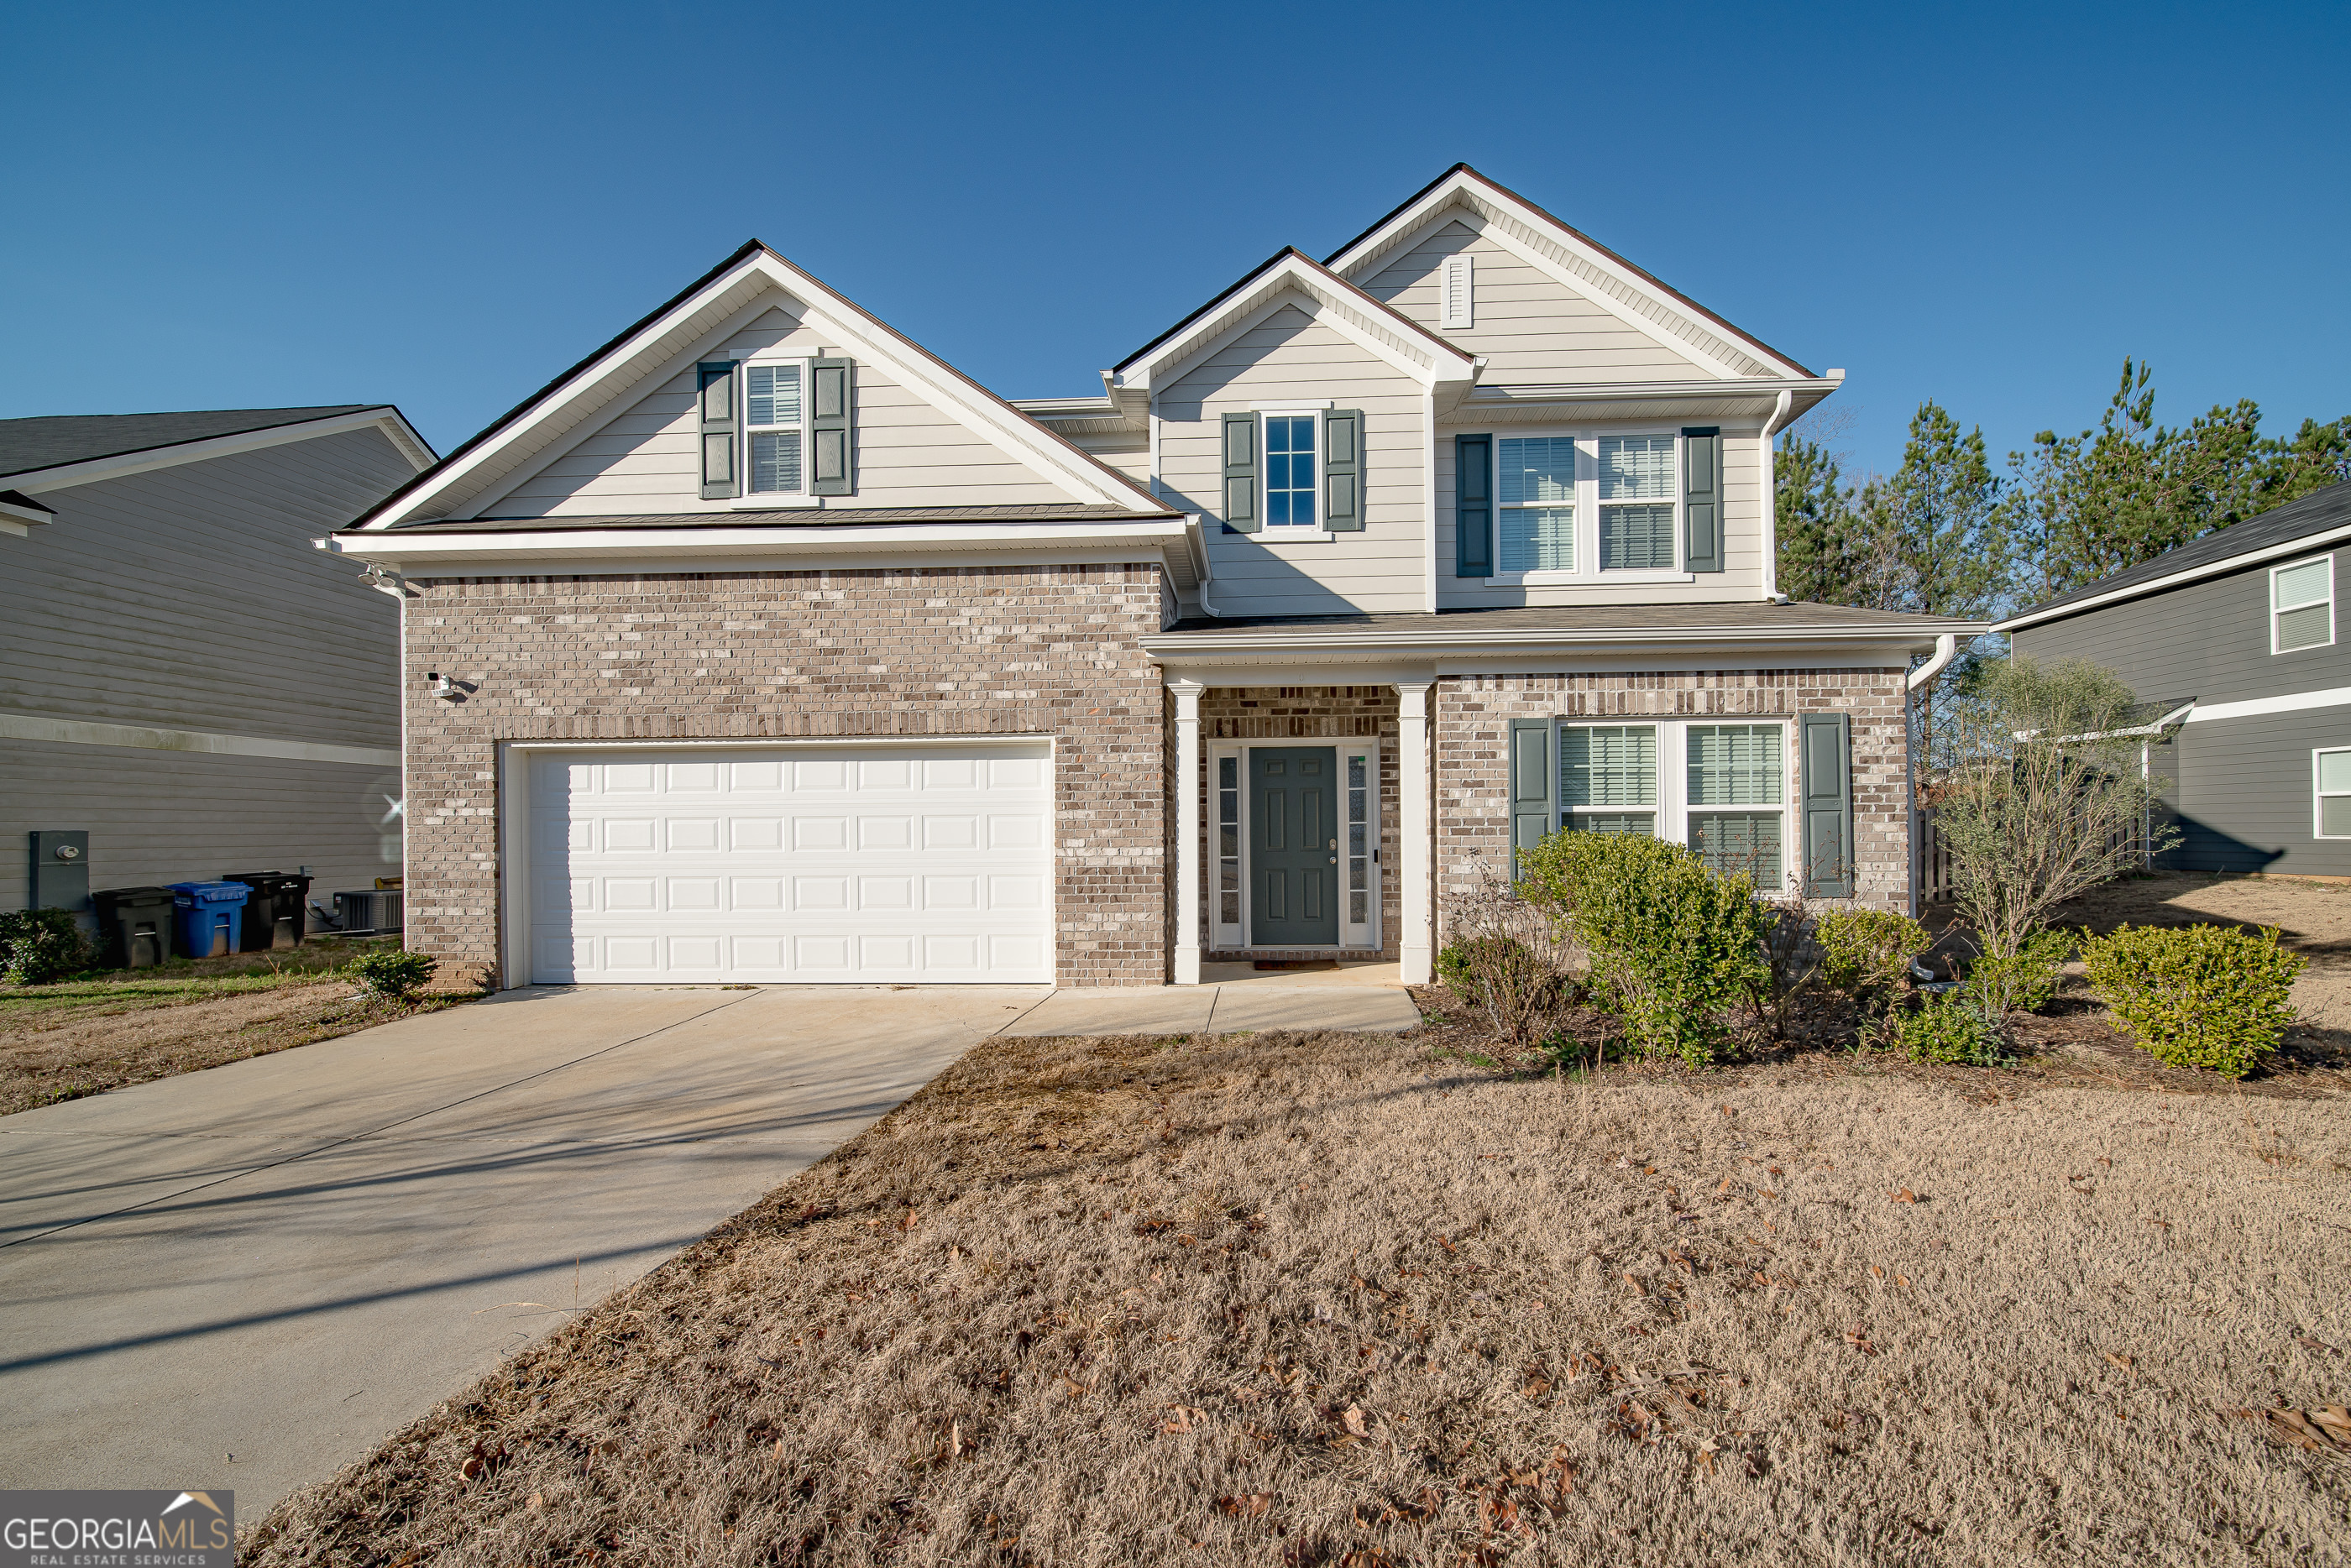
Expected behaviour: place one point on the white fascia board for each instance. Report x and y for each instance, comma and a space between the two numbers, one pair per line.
1232, 673
408, 550
2302, 547
1334, 308
1476, 197
19, 512
2257, 707
396, 430
1334, 646
1769, 390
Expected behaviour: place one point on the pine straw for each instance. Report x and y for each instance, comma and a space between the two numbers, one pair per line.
1319, 1299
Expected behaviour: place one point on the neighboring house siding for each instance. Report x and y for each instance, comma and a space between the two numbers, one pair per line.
1531, 327
2243, 793
1472, 715
1740, 581
1288, 357
2208, 641
190, 597
156, 817
1002, 650
643, 457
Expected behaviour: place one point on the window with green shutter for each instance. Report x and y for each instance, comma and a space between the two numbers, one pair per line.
1608, 778
713, 399
1533, 802
1732, 770
1473, 506
1702, 500
833, 427
1824, 756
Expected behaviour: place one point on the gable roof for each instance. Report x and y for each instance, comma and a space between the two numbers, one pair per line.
508, 445
1577, 259
35, 445
2322, 516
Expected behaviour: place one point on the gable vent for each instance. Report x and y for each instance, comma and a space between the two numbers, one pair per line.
1456, 292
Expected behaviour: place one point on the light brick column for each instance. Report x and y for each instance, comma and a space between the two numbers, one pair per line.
1416, 832
1187, 830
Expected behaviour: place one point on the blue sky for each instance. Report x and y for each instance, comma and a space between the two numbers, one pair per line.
442, 206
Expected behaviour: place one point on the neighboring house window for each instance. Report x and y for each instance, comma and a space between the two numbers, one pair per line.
1290, 471
2332, 813
775, 420
1637, 503
2302, 606
1537, 480
1734, 770
1608, 778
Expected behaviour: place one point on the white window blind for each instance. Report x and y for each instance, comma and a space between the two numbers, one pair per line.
774, 417
1537, 484
1456, 286
1603, 770
1735, 766
1637, 503
2302, 606
2333, 813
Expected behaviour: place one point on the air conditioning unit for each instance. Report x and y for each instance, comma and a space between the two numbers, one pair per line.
377, 911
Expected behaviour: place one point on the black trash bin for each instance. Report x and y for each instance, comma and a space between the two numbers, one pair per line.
273, 915
134, 925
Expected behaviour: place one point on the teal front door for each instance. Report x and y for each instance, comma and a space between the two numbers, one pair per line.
1293, 846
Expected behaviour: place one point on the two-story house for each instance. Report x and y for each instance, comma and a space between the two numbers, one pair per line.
764, 646
2231, 641
187, 687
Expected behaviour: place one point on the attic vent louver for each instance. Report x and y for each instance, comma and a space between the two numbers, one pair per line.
1455, 288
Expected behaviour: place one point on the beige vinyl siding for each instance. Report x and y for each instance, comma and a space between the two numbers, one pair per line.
1290, 355
1531, 327
1130, 454
1740, 581
644, 458
157, 817
190, 597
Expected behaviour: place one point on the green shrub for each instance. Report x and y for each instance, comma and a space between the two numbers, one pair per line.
1864, 952
2024, 982
1484, 971
1671, 944
393, 972
2200, 996
40, 946
1949, 1026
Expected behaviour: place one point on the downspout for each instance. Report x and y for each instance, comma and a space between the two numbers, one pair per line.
1946, 648
1779, 421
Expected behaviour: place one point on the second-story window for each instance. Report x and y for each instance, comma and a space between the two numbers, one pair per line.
2302, 606
1636, 503
1537, 485
1290, 472
775, 419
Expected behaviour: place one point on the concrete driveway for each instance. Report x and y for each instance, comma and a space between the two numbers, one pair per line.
245, 1278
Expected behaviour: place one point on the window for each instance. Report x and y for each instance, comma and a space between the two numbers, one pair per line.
1359, 831
1636, 503
1290, 471
1538, 502
775, 419
2302, 606
2331, 815
1603, 770
1229, 842
1732, 769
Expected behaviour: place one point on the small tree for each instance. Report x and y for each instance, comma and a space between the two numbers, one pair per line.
2040, 795
1507, 959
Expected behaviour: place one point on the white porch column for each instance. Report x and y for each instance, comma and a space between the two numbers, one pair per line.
1187, 830
1415, 831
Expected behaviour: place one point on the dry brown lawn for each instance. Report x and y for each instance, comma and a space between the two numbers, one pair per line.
1331, 1299
84, 1038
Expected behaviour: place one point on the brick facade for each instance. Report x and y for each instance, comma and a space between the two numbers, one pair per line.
1295, 715
680, 655
1470, 719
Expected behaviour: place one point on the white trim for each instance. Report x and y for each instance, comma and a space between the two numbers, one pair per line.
80, 732
383, 416
1672, 810
1339, 304
21, 516
2253, 707
2318, 795
513, 770
1235, 937
1267, 531
2277, 610
1415, 837
804, 366
2251, 558
1189, 894
1429, 578
486, 554
1457, 282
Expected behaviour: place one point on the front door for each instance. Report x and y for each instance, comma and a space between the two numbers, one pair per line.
1294, 846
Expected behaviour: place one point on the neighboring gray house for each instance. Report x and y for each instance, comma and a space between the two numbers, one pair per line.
182, 674
2236, 637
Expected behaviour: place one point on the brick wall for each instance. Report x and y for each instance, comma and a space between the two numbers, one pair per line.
995, 650
1301, 715
1471, 723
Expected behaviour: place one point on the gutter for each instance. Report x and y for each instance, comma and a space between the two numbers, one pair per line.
1317, 640
1946, 648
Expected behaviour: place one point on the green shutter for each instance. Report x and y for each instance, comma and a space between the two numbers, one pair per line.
713, 398
1824, 756
1534, 786
1240, 472
1342, 471
833, 428
1702, 500
1473, 506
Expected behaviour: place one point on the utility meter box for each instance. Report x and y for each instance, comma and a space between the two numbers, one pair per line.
60, 870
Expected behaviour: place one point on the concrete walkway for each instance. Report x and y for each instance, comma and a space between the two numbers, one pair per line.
245, 1278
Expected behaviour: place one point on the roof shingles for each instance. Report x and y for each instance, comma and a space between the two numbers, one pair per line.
53, 441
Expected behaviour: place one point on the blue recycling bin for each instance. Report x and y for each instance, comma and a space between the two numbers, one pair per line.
206, 917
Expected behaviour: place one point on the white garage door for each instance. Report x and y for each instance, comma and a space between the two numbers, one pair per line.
793, 864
